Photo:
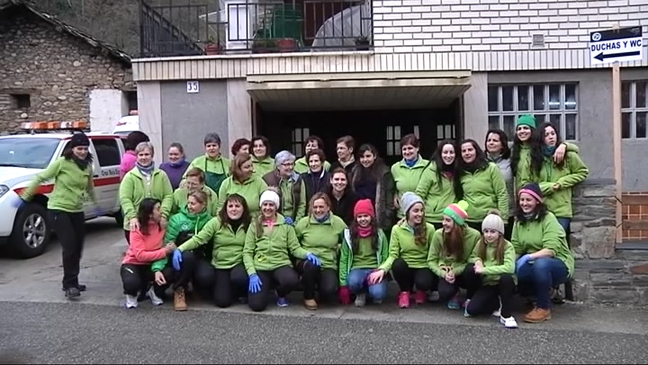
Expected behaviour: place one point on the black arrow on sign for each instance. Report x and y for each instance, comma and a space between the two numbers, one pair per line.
602, 56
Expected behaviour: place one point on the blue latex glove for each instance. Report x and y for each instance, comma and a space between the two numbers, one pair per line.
313, 259
18, 202
176, 259
255, 284
288, 221
521, 261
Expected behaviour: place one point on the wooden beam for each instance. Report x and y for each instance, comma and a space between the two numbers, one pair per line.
635, 199
636, 225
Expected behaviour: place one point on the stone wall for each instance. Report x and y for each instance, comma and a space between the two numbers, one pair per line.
55, 68
603, 273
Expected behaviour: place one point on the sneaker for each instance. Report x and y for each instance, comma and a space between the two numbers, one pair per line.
465, 312
131, 301
361, 300
154, 297
509, 322
282, 302
433, 296
72, 293
454, 303
419, 297
403, 300
81, 287
497, 313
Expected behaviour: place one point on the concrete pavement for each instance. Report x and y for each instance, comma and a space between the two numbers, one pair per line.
38, 325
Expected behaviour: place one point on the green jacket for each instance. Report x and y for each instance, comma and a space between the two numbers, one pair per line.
484, 190
217, 165
574, 171
523, 173
271, 250
437, 258
180, 196
250, 190
493, 268
346, 254
182, 221
134, 188
402, 245
228, 245
407, 178
71, 186
321, 239
301, 165
262, 167
533, 236
437, 194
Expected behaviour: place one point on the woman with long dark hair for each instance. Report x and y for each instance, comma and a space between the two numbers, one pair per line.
437, 185
225, 233
342, 196
72, 175
143, 262
498, 152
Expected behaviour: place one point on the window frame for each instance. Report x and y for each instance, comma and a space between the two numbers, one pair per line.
97, 141
632, 109
297, 140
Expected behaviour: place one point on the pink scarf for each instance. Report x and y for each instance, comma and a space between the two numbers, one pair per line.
364, 232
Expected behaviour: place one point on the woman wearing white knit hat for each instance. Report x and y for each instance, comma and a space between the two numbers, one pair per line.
489, 277
269, 244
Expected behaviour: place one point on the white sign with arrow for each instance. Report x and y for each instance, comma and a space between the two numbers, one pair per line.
612, 45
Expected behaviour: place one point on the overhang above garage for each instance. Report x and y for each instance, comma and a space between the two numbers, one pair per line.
358, 91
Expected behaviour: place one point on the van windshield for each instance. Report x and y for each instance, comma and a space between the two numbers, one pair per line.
34, 153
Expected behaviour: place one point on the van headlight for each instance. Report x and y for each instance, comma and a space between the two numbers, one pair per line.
3, 190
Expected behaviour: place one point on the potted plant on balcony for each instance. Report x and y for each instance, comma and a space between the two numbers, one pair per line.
362, 43
286, 44
263, 45
211, 47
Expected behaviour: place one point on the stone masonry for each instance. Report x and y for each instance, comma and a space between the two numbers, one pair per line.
603, 273
420, 26
55, 68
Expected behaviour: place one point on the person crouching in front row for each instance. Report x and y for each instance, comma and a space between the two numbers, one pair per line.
146, 257
489, 277
269, 243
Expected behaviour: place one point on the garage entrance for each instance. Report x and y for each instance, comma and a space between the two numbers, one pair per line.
376, 108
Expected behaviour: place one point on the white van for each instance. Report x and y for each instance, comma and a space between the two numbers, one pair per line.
127, 124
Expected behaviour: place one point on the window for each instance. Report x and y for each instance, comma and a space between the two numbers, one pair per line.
634, 109
33, 153
107, 152
393, 140
555, 103
21, 101
445, 131
131, 99
299, 135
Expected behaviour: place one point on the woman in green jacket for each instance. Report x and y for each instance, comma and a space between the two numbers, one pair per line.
482, 184
261, 159
212, 163
545, 260
451, 247
144, 181
72, 175
408, 251
269, 245
242, 181
225, 233
436, 186
194, 181
489, 278
364, 249
557, 180
408, 171
320, 233
191, 219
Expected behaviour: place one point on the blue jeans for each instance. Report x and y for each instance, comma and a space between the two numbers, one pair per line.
543, 274
565, 223
357, 283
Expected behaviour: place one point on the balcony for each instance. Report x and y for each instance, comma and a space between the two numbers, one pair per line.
245, 26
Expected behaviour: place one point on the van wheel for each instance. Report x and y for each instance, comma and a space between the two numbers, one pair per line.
31, 231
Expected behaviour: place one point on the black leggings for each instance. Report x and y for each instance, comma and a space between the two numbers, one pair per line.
325, 281
136, 277
229, 284
283, 279
70, 229
407, 278
447, 291
486, 298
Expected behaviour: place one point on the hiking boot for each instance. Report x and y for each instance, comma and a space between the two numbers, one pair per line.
179, 302
72, 293
537, 315
310, 304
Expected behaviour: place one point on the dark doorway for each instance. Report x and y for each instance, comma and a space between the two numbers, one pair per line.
382, 128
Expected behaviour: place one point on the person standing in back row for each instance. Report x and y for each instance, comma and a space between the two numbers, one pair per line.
72, 175
212, 163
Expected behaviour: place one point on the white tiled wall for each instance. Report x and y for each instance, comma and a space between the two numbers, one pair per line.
406, 26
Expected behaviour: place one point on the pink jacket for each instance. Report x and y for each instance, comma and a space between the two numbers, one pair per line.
145, 249
129, 159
